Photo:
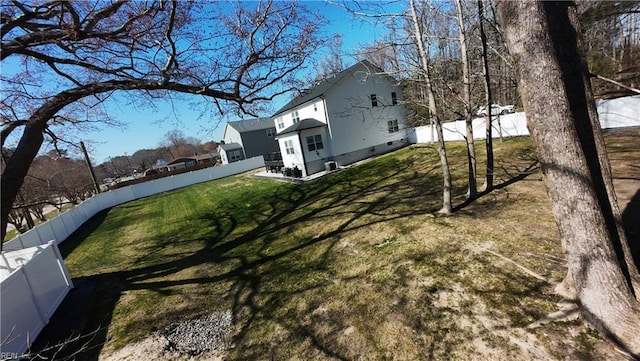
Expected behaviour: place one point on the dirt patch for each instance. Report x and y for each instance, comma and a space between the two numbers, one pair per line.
203, 338
156, 347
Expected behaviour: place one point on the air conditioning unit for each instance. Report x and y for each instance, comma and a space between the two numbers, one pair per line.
330, 166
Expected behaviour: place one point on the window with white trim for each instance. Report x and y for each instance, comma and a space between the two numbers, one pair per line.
393, 126
288, 145
280, 122
235, 155
314, 142
295, 116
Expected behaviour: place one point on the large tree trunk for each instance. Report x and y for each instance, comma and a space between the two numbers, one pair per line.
466, 94
544, 41
17, 168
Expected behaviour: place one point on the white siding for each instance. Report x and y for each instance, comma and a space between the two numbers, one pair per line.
223, 156
314, 109
316, 154
291, 160
353, 123
231, 135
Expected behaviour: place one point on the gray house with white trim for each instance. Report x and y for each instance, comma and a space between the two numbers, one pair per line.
252, 137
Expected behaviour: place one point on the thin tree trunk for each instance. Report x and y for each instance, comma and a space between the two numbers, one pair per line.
26, 212
488, 180
433, 110
472, 191
544, 41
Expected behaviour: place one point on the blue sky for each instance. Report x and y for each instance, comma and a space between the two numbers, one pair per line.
146, 126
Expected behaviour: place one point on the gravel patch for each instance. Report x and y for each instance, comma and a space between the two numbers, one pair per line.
200, 335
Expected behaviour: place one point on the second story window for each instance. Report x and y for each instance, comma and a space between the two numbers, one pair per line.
280, 122
295, 116
393, 126
271, 132
374, 100
394, 98
288, 145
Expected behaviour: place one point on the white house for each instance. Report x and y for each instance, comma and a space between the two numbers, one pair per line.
354, 115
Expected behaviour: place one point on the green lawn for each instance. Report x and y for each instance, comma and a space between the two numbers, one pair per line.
356, 265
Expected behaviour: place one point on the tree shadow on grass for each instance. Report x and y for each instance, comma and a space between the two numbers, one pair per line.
521, 174
373, 194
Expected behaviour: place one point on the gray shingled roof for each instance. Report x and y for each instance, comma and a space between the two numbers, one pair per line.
303, 124
323, 86
250, 125
230, 146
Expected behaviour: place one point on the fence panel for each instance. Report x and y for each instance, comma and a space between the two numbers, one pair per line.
77, 216
119, 196
30, 238
13, 244
163, 184
34, 283
90, 207
142, 190
620, 112
20, 316
198, 176
69, 221
48, 283
59, 229
46, 233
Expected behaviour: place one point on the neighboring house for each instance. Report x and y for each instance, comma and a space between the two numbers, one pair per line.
184, 162
254, 137
349, 117
230, 153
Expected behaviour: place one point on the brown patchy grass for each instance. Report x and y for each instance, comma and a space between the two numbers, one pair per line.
354, 266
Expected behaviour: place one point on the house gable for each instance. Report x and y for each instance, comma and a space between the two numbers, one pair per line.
365, 110
255, 136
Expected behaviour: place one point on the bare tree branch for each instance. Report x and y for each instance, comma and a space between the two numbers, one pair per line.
74, 55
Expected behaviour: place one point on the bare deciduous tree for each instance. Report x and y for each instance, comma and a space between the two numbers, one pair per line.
468, 107
61, 59
433, 109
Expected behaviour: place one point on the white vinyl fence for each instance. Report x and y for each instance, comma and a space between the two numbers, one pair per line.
34, 283
34, 279
613, 113
60, 227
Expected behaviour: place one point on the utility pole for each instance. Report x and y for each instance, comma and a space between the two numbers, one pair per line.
93, 175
